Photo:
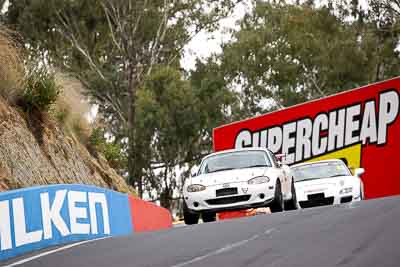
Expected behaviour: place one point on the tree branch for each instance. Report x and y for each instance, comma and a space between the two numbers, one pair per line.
310, 75
110, 26
69, 34
197, 31
139, 18
162, 29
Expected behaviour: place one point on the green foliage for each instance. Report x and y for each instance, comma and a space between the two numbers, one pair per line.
112, 151
292, 53
41, 90
96, 139
175, 117
114, 154
167, 107
216, 101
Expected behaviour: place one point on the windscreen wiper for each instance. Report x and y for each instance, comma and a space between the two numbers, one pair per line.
305, 180
256, 166
336, 175
224, 169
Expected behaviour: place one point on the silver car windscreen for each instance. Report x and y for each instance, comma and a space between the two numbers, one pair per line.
235, 160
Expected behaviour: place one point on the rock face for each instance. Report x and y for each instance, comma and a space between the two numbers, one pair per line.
33, 152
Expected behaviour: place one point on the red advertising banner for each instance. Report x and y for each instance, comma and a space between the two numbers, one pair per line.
360, 126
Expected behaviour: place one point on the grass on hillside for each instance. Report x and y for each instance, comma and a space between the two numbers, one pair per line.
11, 66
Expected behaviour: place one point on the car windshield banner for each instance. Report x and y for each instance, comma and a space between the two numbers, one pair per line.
359, 126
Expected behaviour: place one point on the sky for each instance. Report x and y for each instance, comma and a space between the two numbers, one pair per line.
205, 44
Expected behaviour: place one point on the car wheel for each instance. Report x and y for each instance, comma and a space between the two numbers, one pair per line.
292, 203
361, 193
209, 217
188, 217
277, 204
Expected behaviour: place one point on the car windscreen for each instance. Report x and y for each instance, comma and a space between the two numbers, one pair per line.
235, 160
319, 170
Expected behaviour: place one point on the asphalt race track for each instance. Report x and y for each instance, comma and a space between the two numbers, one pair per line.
357, 234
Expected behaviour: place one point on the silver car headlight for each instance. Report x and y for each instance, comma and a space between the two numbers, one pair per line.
258, 180
195, 188
346, 190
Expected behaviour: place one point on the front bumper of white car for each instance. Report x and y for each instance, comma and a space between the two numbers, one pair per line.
236, 196
332, 196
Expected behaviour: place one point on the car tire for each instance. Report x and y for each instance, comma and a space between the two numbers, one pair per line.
209, 217
292, 203
277, 204
188, 217
362, 193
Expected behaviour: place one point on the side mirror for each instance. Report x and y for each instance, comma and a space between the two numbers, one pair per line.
359, 171
194, 171
280, 159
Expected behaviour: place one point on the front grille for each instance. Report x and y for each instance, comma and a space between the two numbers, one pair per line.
316, 196
226, 192
316, 202
346, 199
228, 200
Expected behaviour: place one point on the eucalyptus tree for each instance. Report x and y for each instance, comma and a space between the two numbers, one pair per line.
112, 46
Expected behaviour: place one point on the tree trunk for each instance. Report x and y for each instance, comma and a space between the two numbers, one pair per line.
166, 194
133, 173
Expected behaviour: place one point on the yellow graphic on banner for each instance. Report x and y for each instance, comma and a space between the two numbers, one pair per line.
352, 156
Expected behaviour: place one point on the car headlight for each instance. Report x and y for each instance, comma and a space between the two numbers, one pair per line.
258, 180
196, 188
346, 190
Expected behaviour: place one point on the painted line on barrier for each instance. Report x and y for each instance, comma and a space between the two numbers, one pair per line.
52, 252
223, 249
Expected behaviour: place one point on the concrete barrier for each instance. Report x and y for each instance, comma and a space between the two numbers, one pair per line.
147, 216
39, 217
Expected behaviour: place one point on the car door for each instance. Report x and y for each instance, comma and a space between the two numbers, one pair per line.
283, 174
288, 181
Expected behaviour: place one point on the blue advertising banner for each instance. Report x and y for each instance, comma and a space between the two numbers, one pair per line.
39, 217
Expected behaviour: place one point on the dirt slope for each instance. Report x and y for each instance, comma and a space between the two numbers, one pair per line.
37, 153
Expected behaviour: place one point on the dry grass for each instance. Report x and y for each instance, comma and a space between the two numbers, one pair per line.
11, 66
71, 108
71, 94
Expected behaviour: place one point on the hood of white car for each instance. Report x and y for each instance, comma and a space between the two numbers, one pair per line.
229, 176
322, 184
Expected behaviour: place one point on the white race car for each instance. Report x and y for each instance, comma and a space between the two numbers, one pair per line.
326, 182
237, 179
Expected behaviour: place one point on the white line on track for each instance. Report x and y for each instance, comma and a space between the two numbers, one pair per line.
52, 252
222, 250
